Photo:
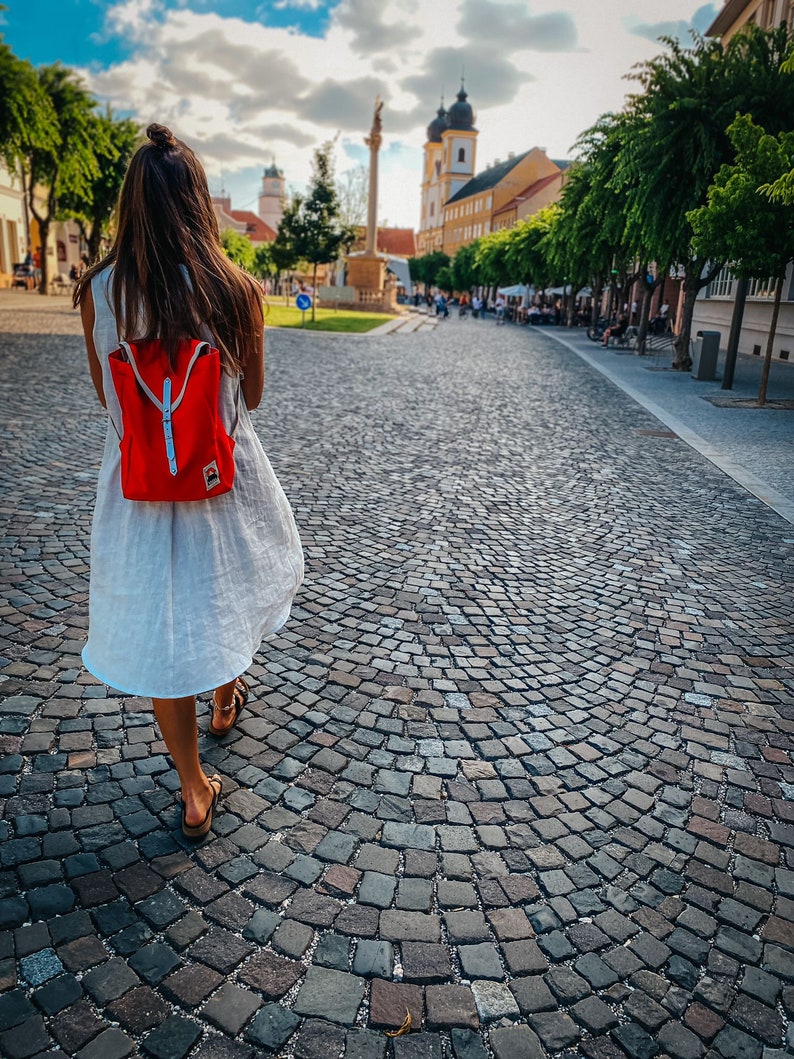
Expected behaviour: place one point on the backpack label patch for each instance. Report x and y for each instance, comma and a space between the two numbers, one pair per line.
211, 476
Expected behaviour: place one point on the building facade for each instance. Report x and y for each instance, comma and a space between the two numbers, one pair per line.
13, 229
714, 307
459, 204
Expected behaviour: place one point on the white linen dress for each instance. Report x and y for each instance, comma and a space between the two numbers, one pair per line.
182, 594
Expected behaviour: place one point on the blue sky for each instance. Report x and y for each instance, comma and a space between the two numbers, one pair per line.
247, 80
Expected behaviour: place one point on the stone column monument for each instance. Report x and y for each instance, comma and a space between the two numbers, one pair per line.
367, 271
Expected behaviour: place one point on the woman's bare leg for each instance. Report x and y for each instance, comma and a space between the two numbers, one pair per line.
177, 720
223, 698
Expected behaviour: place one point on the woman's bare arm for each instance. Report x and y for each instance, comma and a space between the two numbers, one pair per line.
87, 316
254, 371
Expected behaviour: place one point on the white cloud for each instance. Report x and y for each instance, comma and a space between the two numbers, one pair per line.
537, 73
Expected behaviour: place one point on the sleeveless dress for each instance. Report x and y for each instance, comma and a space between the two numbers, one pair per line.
182, 594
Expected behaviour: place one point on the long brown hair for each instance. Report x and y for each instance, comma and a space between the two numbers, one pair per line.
171, 277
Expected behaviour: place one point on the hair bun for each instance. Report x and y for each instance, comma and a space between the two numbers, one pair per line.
161, 136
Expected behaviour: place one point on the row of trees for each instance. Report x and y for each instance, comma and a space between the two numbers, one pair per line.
71, 155
695, 173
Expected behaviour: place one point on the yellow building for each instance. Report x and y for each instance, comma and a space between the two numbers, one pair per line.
499, 196
459, 206
449, 162
736, 14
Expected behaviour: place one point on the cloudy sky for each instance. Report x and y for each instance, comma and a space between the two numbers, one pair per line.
244, 81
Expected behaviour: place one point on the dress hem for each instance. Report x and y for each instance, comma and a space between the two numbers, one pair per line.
95, 671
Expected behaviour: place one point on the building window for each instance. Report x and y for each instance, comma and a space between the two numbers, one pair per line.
462, 154
722, 286
762, 288
432, 208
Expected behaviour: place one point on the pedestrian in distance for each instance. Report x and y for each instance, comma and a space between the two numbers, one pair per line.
499, 309
182, 592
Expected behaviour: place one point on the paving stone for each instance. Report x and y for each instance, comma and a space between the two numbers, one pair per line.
391, 1001
231, 1008
494, 1001
555, 1029
424, 962
333, 994
515, 1042
417, 1046
450, 1005
109, 981
139, 1010
271, 975
25, 1039
467, 1045
110, 1044
154, 962
272, 1026
57, 994
481, 961
373, 959
173, 1039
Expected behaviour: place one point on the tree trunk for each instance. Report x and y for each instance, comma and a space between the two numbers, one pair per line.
94, 242
770, 342
44, 233
314, 292
645, 308
693, 282
681, 359
595, 307
735, 332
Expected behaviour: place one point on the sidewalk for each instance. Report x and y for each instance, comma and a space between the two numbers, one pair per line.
753, 446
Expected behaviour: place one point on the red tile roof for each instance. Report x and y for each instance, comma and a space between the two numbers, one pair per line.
255, 228
399, 242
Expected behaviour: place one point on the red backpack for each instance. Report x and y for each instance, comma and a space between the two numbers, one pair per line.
174, 445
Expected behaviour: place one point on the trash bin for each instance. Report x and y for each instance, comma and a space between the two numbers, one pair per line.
707, 350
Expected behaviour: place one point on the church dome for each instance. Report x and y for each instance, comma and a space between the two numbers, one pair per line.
437, 125
461, 114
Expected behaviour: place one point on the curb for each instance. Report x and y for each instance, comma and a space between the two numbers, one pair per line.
773, 499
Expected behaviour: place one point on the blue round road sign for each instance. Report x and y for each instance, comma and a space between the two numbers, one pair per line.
304, 302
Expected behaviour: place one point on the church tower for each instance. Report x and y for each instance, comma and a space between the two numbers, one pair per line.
430, 235
459, 146
271, 197
449, 159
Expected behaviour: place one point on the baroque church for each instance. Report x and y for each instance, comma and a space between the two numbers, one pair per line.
459, 204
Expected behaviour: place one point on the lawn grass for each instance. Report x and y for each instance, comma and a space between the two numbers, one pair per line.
280, 315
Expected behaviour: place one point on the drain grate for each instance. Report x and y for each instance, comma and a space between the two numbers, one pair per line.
657, 433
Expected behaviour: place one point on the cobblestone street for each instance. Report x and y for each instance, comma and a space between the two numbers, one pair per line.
518, 766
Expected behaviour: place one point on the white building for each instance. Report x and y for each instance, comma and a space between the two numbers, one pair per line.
13, 230
714, 307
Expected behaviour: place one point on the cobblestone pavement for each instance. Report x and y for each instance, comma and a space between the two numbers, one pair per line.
519, 765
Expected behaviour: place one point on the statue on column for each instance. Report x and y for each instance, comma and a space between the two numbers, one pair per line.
375, 138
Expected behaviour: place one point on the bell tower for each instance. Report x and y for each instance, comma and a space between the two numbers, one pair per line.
430, 235
271, 197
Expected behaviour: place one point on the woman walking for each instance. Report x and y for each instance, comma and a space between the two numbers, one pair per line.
183, 592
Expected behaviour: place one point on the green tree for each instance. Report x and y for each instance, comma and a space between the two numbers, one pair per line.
679, 141
464, 267
445, 279
27, 116
312, 227
527, 247
491, 259
425, 269
263, 264
68, 169
283, 250
93, 206
782, 189
741, 225
238, 248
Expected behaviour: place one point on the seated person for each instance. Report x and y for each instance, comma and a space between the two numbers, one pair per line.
617, 330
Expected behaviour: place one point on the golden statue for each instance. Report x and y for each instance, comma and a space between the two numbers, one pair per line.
375, 138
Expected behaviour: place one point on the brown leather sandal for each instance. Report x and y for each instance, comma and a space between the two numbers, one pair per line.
239, 699
200, 830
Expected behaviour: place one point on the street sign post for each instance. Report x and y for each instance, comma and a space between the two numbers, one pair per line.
303, 302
